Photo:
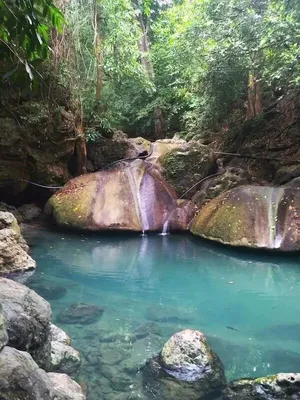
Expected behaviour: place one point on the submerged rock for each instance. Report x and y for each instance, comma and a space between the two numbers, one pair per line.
13, 248
49, 290
274, 387
186, 368
252, 216
27, 317
132, 197
22, 379
80, 313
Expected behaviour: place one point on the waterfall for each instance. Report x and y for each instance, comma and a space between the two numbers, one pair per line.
165, 228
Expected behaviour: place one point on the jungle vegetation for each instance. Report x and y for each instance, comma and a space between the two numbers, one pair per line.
155, 67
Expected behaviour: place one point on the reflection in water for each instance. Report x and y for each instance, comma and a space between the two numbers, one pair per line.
247, 303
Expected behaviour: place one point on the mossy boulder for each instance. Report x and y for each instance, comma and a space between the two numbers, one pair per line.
185, 166
186, 368
274, 387
131, 197
252, 216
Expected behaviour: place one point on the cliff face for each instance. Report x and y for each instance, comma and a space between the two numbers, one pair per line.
36, 143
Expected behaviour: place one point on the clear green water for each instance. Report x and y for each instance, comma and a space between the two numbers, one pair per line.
163, 284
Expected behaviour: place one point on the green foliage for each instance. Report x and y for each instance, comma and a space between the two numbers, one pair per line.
24, 32
204, 51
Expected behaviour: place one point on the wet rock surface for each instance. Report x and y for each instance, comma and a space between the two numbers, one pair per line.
275, 387
131, 197
13, 248
252, 216
80, 313
185, 368
27, 317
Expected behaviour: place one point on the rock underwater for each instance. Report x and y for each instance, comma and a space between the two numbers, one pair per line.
131, 197
186, 368
252, 216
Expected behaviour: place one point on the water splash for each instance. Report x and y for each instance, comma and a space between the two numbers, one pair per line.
165, 228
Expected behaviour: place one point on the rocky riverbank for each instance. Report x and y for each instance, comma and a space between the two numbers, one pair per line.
36, 358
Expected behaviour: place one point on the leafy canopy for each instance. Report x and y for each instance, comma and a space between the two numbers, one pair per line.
24, 31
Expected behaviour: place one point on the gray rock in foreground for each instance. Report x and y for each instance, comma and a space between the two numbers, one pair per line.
64, 359
65, 388
186, 368
22, 379
274, 387
27, 317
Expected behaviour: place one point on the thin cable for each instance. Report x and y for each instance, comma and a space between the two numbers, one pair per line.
42, 186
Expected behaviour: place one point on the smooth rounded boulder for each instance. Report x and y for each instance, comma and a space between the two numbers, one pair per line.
130, 197
252, 216
186, 368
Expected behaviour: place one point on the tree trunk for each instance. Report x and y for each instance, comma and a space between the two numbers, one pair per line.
81, 155
149, 70
158, 123
98, 53
254, 103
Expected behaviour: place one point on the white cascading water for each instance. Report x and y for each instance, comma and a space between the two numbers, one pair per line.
165, 228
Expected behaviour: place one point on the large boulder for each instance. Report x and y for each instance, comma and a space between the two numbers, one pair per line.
132, 197
252, 216
13, 249
187, 165
186, 368
274, 387
27, 317
22, 379
80, 313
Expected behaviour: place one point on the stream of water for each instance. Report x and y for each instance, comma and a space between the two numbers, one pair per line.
246, 303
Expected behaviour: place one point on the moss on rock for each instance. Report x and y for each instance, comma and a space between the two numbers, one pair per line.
187, 165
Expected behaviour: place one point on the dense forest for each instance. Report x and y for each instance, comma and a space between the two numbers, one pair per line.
153, 67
